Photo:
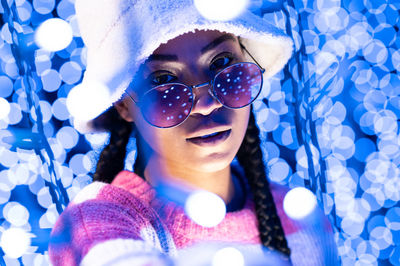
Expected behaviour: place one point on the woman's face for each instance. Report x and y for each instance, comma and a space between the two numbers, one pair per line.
192, 59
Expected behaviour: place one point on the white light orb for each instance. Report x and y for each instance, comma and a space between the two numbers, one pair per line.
53, 35
299, 203
87, 100
5, 108
205, 208
15, 242
228, 256
221, 10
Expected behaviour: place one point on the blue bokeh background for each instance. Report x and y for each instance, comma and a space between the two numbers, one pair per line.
329, 121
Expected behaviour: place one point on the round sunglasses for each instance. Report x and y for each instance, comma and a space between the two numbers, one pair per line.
170, 104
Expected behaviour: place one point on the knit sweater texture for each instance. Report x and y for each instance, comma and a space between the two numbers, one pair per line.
126, 223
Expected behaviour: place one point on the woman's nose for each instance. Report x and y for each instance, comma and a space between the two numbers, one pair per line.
204, 100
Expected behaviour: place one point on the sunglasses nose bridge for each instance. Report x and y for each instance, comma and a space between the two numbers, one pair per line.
210, 86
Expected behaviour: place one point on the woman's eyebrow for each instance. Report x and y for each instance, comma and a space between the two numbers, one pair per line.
217, 41
162, 57
208, 47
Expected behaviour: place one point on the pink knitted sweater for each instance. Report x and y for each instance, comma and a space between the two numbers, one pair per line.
125, 221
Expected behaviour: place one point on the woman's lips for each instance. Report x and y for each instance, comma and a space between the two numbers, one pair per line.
211, 139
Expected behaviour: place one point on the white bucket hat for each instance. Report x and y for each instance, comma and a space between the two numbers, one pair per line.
121, 34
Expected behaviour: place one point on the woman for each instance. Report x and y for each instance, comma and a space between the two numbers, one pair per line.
186, 86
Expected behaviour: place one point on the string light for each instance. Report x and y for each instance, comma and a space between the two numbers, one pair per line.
53, 35
205, 208
221, 9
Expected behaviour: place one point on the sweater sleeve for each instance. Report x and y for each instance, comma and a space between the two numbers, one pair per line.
94, 230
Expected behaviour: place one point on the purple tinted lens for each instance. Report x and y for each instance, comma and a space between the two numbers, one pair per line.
167, 105
238, 85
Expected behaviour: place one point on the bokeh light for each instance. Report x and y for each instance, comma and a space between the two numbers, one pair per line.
205, 208
228, 256
15, 242
54, 34
299, 202
221, 9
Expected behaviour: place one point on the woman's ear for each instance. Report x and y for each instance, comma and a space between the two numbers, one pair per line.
124, 110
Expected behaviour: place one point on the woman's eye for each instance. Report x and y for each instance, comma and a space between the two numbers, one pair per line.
221, 62
161, 79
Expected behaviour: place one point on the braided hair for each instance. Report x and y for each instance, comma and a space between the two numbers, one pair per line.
250, 157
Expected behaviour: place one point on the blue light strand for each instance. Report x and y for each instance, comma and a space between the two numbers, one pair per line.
25, 67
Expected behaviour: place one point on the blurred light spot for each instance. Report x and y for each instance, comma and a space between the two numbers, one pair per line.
381, 236
385, 122
43, 6
15, 115
81, 181
285, 135
205, 208
6, 86
366, 259
79, 105
353, 224
15, 213
67, 137
367, 247
24, 10
8, 158
270, 150
374, 100
15, 242
54, 34
220, 9
299, 202
279, 170
65, 9
44, 197
51, 80
49, 218
80, 164
70, 72
228, 256
375, 52
4, 108
19, 174
59, 109
336, 114
268, 119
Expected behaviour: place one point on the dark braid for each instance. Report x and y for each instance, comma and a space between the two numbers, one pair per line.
112, 158
251, 159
